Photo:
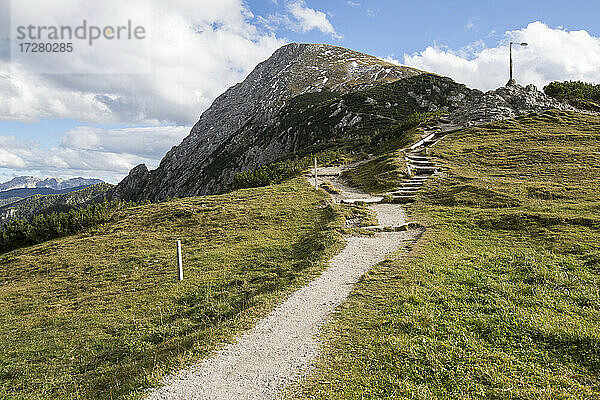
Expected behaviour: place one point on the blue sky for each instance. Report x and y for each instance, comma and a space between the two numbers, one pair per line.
384, 27
101, 125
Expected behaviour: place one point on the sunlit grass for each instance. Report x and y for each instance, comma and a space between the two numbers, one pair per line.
101, 314
500, 297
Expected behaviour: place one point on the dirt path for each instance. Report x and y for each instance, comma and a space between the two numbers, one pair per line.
280, 349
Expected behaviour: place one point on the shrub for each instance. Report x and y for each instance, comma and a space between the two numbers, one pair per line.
279, 171
579, 94
397, 134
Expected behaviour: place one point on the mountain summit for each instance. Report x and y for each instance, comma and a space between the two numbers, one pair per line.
257, 102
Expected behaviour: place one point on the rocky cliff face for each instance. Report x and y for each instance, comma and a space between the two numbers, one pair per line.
252, 105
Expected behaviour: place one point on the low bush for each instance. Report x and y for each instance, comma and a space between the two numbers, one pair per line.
577, 93
280, 171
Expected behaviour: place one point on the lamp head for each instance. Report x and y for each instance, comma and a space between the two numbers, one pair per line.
524, 44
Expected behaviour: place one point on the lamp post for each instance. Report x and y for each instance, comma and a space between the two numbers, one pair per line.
512, 81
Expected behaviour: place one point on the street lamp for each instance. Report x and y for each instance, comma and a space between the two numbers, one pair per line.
512, 81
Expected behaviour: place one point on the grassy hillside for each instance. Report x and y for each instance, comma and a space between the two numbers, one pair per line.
101, 314
499, 299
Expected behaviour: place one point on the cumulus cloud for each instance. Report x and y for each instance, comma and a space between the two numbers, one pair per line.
309, 19
90, 151
10, 160
552, 54
301, 18
148, 142
199, 48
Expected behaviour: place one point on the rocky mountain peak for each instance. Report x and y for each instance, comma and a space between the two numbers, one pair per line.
293, 70
306, 96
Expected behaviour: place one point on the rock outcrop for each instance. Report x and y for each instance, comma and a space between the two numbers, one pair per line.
509, 101
132, 185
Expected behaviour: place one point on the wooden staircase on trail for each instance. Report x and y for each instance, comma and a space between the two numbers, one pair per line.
419, 164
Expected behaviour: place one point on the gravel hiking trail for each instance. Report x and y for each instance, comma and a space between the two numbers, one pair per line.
281, 348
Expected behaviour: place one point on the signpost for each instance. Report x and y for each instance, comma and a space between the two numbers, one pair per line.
179, 260
316, 181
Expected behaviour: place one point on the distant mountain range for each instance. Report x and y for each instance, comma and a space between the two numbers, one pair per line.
23, 204
27, 192
57, 184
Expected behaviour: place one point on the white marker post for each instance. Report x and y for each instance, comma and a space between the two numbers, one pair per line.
179, 260
316, 181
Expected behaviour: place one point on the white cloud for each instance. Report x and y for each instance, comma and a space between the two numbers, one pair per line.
353, 3
149, 142
552, 54
300, 18
10, 160
88, 151
470, 24
199, 48
310, 19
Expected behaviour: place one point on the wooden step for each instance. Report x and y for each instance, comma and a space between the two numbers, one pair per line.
410, 187
422, 167
403, 193
371, 200
397, 228
418, 158
421, 162
412, 183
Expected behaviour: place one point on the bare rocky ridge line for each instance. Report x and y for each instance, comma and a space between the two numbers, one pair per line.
281, 348
30, 182
506, 102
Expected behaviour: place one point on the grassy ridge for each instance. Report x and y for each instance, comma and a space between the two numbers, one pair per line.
100, 314
499, 299
382, 174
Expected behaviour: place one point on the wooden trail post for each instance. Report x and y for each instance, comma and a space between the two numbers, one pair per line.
179, 260
316, 181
